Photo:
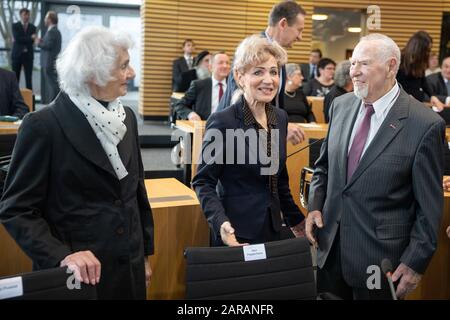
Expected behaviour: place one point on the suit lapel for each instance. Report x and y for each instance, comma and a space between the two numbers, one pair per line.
345, 133
208, 96
80, 134
388, 130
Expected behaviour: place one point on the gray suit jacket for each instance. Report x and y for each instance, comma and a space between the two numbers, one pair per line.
392, 206
50, 48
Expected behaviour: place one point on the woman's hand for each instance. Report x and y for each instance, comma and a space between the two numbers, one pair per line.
437, 103
84, 265
148, 272
228, 236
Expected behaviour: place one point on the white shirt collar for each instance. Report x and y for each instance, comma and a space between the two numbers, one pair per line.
187, 57
51, 27
382, 105
216, 82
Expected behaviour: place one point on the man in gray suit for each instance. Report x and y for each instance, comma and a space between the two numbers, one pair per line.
50, 47
376, 191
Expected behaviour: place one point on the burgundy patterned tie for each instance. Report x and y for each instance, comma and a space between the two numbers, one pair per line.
359, 141
220, 91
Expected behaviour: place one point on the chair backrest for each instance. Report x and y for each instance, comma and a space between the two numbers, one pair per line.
27, 96
221, 272
50, 284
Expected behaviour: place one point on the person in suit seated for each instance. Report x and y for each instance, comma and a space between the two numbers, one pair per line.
22, 53
439, 84
182, 64
11, 100
342, 84
251, 191
321, 85
376, 191
75, 194
433, 64
50, 47
295, 103
309, 70
201, 70
203, 96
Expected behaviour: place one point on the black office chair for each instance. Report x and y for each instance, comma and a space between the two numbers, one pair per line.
221, 272
50, 284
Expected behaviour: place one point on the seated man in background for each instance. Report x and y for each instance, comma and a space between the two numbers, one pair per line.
200, 71
11, 101
439, 84
203, 96
309, 70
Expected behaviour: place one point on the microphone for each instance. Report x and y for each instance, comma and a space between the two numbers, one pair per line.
386, 267
307, 146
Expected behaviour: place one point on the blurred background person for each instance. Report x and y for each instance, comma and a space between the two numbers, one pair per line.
433, 64
322, 84
203, 96
342, 84
439, 84
50, 48
11, 100
200, 71
414, 62
22, 53
74, 195
295, 103
309, 70
240, 202
182, 64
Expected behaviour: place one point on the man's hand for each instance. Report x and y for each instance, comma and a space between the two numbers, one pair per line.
409, 279
437, 103
84, 265
295, 134
313, 221
448, 231
148, 272
299, 229
228, 236
193, 116
446, 185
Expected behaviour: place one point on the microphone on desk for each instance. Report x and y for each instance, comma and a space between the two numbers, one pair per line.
386, 267
305, 147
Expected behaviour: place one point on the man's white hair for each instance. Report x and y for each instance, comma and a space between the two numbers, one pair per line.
90, 56
386, 48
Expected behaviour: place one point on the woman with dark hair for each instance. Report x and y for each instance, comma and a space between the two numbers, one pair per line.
323, 83
414, 62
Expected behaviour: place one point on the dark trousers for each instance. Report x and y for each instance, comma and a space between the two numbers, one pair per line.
330, 279
26, 60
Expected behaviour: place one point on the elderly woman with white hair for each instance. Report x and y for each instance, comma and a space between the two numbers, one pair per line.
251, 192
342, 84
75, 195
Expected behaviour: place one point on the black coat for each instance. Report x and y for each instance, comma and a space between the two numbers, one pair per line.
239, 193
11, 101
22, 40
179, 70
62, 196
439, 89
197, 98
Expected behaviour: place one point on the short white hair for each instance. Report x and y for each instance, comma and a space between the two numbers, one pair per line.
386, 47
90, 56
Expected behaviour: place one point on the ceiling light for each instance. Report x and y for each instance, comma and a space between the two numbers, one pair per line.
354, 29
319, 17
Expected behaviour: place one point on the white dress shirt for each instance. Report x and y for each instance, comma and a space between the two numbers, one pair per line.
189, 59
381, 107
215, 93
447, 100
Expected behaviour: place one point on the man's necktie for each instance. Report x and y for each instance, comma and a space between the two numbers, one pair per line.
313, 72
189, 61
359, 141
448, 88
220, 90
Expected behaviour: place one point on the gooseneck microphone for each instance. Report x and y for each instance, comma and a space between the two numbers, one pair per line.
386, 267
305, 147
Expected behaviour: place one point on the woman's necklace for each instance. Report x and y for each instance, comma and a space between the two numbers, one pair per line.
292, 95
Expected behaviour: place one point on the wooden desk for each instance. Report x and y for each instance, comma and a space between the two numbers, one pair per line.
179, 223
27, 96
317, 108
197, 129
435, 282
7, 128
296, 162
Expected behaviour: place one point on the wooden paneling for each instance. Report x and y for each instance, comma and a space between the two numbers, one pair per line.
222, 24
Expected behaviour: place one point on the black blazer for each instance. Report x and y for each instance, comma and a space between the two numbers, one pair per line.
243, 195
62, 196
50, 48
197, 98
439, 89
11, 101
22, 40
179, 66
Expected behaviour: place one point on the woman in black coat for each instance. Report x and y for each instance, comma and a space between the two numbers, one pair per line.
75, 195
243, 191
